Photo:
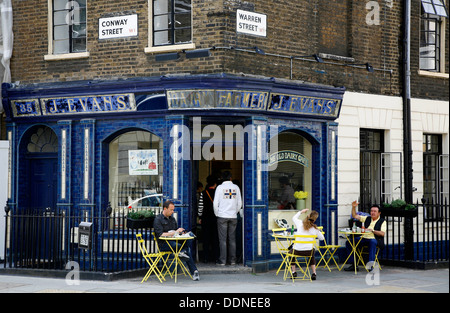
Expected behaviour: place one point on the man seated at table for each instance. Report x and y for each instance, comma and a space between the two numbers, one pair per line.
166, 225
375, 229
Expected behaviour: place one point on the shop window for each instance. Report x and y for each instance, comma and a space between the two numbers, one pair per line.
170, 26
135, 167
67, 29
292, 173
371, 150
432, 35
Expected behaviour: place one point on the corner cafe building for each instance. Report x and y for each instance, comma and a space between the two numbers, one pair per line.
80, 146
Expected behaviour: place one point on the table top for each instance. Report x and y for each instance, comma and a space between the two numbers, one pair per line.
175, 238
283, 236
349, 232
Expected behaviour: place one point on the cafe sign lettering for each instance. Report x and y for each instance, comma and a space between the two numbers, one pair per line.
74, 105
288, 156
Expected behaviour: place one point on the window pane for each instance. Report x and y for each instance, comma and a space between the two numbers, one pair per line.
59, 4
162, 22
290, 176
161, 7
428, 8
60, 18
161, 38
182, 20
122, 185
182, 6
61, 46
61, 32
182, 36
79, 31
79, 45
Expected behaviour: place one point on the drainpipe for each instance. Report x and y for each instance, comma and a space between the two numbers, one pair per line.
407, 147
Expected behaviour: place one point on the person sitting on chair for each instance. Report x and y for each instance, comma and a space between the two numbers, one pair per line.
306, 227
166, 225
375, 229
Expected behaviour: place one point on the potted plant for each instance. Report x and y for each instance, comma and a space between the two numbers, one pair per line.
399, 208
300, 197
140, 219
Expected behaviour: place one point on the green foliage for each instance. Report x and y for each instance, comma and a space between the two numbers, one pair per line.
399, 204
141, 214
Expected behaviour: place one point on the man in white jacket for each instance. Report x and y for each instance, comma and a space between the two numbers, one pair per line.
227, 203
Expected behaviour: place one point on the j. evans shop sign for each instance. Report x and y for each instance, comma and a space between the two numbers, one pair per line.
118, 27
252, 100
75, 105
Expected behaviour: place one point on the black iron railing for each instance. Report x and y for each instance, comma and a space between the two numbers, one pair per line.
48, 239
420, 235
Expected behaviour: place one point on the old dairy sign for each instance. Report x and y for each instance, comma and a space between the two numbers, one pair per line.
118, 26
251, 23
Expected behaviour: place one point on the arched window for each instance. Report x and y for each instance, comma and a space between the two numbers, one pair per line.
44, 140
135, 167
290, 171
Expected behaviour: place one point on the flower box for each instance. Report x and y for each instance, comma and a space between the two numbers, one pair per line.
140, 223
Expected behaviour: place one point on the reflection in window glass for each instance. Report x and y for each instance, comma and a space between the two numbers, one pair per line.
122, 185
172, 22
69, 26
292, 173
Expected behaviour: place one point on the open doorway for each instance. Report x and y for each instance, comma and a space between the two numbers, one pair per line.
201, 171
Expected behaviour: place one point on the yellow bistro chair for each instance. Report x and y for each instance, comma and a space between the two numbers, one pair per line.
151, 258
304, 260
364, 251
325, 250
282, 247
165, 256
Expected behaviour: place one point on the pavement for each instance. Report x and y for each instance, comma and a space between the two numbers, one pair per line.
239, 280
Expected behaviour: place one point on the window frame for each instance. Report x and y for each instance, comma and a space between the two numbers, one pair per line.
165, 48
371, 186
439, 44
51, 56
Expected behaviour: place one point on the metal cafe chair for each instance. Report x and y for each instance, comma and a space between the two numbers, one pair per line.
327, 249
365, 252
304, 260
165, 257
152, 260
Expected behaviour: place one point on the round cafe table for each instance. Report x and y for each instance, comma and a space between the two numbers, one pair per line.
283, 242
352, 238
180, 242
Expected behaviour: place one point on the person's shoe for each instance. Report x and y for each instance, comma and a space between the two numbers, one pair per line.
351, 268
313, 276
220, 263
183, 255
196, 276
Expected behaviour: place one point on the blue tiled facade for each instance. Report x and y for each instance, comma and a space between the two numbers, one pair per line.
88, 136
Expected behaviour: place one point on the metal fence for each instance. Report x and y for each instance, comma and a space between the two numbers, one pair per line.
420, 237
47, 239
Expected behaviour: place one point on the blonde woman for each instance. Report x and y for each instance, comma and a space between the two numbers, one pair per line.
306, 227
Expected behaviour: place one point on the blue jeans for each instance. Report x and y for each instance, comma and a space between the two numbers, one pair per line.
371, 243
187, 248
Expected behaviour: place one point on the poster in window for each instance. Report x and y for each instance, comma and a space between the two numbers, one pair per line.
143, 162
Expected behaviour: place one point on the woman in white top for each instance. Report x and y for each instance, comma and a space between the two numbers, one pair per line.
306, 227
